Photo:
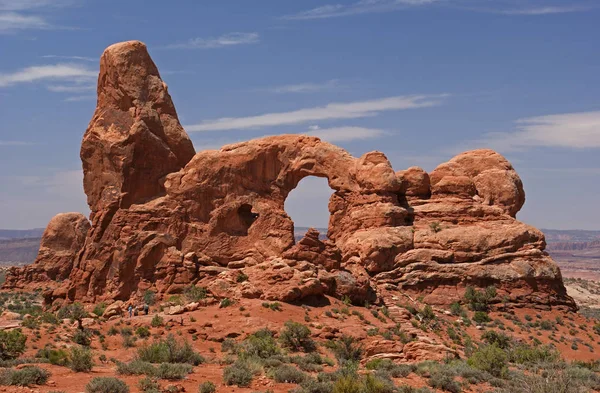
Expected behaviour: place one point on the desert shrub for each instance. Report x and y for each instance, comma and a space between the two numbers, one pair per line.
427, 313
173, 371
149, 297
12, 344
275, 306
149, 385
239, 373
194, 293
312, 385
142, 331
112, 331
225, 303
157, 321
229, 345
500, 339
170, 351
287, 374
442, 378
260, 344
106, 385
136, 367
481, 317
58, 357
129, 341
346, 349
99, 309
525, 354
296, 337
82, 337
48, 317
31, 375
81, 359
241, 277
435, 227
490, 358
386, 365
207, 387
456, 309
479, 300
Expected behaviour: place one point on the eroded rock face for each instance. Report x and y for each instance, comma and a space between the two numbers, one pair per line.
61, 243
164, 218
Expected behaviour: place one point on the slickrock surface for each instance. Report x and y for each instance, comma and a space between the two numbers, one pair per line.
164, 217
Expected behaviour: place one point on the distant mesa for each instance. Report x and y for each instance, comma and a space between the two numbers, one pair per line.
164, 217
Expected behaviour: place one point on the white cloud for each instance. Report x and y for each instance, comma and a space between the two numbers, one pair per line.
83, 58
23, 5
344, 134
75, 88
569, 130
306, 87
544, 10
349, 110
80, 98
64, 72
360, 7
230, 39
11, 21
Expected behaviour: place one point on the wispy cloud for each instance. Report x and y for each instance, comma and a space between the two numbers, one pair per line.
348, 110
14, 143
82, 58
18, 15
63, 72
344, 134
74, 88
507, 7
230, 39
569, 130
360, 7
80, 98
12, 21
306, 87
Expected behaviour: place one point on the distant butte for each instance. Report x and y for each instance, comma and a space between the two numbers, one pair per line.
164, 217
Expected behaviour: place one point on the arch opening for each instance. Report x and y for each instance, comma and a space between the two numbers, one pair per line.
308, 206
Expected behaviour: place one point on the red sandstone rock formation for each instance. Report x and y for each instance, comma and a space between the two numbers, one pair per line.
61, 243
164, 218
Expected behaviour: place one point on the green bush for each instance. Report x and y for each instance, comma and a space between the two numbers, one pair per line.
225, 303
287, 374
194, 293
241, 277
31, 375
457, 310
58, 357
481, 317
136, 367
12, 344
346, 349
500, 339
443, 379
239, 373
260, 344
427, 313
157, 321
170, 351
99, 309
82, 337
296, 337
173, 371
81, 359
207, 387
525, 354
106, 385
149, 385
490, 358
229, 345
479, 300
149, 297
386, 365
142, 332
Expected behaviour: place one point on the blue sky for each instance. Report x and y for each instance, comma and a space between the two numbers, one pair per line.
420, 80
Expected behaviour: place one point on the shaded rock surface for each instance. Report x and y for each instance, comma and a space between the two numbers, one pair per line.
164, 217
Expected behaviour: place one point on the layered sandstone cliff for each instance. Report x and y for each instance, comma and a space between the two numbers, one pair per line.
164, 217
